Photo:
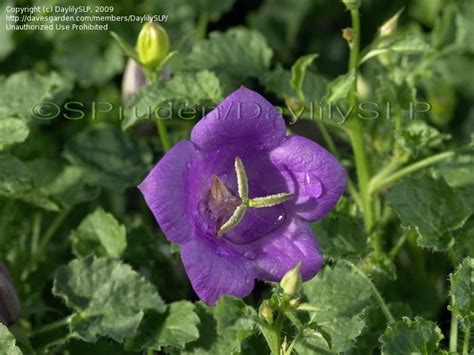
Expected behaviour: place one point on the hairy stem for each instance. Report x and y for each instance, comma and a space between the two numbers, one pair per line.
378, 297
356, 134
410, 169
163, 133
51, 326
467, 336
453, 334
201, 29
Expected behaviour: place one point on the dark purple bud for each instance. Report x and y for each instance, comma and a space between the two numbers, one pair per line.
9, 302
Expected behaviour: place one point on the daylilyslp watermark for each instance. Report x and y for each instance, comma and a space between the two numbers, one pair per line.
339, 114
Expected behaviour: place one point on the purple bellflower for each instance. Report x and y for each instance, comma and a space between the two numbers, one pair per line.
240, 195
9, 302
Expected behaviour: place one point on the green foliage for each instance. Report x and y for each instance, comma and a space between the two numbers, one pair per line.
418, 336
12, 131
108, 298
238, 51
7, 342
108, 157
101, 234
462, 290
174, 328
413, 200
339, 297
189, 89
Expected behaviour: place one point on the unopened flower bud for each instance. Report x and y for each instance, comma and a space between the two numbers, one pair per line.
294, 303
133, 79
292, 281
352, 4
152, 45
390, 26
9, 302
266, 312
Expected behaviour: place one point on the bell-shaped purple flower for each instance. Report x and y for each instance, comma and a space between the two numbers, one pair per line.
240, 195
9, 302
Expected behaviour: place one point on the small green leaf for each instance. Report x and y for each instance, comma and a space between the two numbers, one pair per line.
108, 298
108, 157
15, 178
462, 290
341, 236
234, 321
12, 131
126, 47
7, 342
174, 328
238, 51
418, 336
418, 137
189, 89
298, 72
432, 207
399, 44
340, 87
99, 234
339, 297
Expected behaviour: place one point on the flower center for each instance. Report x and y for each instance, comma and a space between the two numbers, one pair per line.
227, 209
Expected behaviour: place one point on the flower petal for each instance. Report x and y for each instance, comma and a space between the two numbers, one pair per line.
313, 174
283, 249
244, 119
215, 271
166, 190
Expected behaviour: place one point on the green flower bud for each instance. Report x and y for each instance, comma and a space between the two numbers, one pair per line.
266, 312
294, 303
152, 45
292, 281
352, 4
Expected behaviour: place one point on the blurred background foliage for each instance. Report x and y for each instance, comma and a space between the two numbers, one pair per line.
64, 169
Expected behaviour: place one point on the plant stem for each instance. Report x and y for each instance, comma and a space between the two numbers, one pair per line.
378, 297
355, 131
467, 336
453, 334
201, 29
51, 326
163, 133
332, 148
396, 248
50, 232
410, 169
150, 351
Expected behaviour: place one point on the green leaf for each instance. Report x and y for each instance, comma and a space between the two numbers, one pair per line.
414, 200
6, 41
238, 51
15, 178
22, 92
108, 297
339, 88
418, 137
97, 61
174, 328
234, 321
462, 290
62, 185
12, 131
339, 297
418, 336
187, 89
225, 341
99, 234
298, 72
459, 171
126, 47
7, 342
397, 44
213, 8
341, 236
108, 157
